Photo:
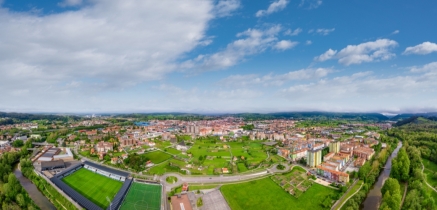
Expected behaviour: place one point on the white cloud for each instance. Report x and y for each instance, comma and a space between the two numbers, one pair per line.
285, 45
252, 41
290, 32
274, 7
322, 31
421, 49
226, 7
70, 3
308, 42
326, 56
395, 32
275, 80
430, 67
108, 45
312, 4
365, 52
68, 45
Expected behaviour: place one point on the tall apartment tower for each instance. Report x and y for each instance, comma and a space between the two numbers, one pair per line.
334, 147
314, 158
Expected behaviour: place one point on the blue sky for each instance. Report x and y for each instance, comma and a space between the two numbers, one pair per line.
218, 56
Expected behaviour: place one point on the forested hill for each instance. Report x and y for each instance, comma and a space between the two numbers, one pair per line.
418, 122
30, 117
409, 115
313, 115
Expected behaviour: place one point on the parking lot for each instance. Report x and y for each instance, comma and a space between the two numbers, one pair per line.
214, 201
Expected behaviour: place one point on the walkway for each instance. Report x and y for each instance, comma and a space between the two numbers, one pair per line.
405, 193
345, 194
423, 168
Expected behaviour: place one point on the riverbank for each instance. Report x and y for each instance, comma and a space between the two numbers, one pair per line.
40, 200
374, 196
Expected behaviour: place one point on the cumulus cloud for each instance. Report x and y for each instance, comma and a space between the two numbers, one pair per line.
365, 91
310, 4
308, 42
285, 45
322, 31
226, 7
275, 79
421, 49
252, 41
326, 56
107, 45
70, 3
365, 52
294, 32
274, 7
430, 67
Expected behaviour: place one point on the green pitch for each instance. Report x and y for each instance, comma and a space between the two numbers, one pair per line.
142, 196
93, 186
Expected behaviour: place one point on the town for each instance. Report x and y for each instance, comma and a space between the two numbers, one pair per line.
191, 161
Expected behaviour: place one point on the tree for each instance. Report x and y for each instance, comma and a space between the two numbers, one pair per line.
392, 194
18, 143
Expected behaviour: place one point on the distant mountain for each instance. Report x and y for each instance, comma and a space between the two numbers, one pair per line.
30, 117
409, 115
314, 115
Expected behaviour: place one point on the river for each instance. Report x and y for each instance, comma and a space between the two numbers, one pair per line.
374, 197
40, 200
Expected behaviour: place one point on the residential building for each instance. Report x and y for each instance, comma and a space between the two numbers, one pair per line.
104, 146
314, 158
334, 147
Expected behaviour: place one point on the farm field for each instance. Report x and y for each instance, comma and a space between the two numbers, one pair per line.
142, 196
253, 195
157, 156
93, 186
172, 151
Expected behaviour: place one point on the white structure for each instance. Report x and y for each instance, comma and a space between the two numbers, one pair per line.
4, 143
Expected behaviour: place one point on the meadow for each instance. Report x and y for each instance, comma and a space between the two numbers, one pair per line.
265, 194
157, 156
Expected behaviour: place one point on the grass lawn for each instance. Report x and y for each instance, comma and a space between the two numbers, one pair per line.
93, 186
157, 156
267, 195
142, 196
163, 168
196, 187
430, 170
241, 167
173, 151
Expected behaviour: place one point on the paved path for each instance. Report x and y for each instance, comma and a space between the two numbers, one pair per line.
349, 196
423, 168
405, 193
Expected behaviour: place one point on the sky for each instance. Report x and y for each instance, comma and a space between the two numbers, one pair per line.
218, 56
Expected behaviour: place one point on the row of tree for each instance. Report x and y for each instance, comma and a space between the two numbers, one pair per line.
12, 194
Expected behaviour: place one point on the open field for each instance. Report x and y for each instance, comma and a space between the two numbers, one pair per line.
173, 151
142, 196
157, 156
265, 194
93, 186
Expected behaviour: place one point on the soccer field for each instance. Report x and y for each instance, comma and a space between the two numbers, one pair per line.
93, 186
142, 196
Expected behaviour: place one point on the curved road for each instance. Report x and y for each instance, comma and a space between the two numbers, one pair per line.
218, 179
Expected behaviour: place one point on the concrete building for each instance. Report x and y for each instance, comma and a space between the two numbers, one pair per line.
334, 147
314, 158
180, 202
